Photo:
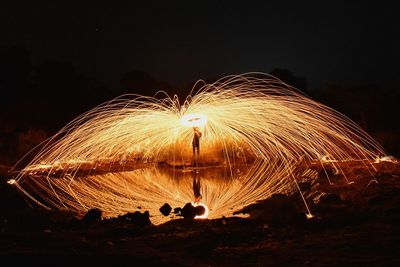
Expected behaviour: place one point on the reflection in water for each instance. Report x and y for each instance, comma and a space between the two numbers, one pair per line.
240, 118
196, 188
223, 190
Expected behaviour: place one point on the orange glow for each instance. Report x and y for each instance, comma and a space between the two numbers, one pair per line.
123, 154
194, 120
205, 215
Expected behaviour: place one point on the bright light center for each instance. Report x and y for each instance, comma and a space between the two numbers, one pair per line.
194, 120
205, 215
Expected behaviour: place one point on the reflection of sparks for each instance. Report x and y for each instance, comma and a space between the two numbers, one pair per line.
248, 117
203, 216
385, 159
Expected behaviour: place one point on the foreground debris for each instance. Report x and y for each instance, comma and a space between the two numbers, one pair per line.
354, 224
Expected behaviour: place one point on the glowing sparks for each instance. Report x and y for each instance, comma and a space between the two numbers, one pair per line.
194, 120
309, 216
11, 181
257, 131
385, 159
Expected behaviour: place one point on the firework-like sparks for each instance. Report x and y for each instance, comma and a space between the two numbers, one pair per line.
136, 151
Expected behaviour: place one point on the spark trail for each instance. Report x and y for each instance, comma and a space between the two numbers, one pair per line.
135, 150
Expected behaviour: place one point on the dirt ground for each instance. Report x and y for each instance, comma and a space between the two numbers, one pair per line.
354, 225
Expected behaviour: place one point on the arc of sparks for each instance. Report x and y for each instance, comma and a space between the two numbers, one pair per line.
252, 120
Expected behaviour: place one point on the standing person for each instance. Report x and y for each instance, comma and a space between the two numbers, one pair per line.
196, 141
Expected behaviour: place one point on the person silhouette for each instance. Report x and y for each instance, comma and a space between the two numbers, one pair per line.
196, 141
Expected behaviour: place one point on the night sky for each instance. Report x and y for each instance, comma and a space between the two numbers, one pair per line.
344, 43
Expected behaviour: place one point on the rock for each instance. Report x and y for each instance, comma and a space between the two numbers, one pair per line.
92, 215
138, 218
199, 210
189, 211
165, 209
278, 210
177, 210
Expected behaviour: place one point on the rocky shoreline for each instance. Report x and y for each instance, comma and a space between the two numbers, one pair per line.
353, 225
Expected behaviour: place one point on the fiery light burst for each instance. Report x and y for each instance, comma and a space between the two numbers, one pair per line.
136, 151
194, 120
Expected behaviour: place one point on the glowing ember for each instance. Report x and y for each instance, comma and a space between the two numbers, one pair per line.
254, 127
203, 216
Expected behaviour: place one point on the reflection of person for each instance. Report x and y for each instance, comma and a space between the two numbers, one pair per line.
196, 140
196, 189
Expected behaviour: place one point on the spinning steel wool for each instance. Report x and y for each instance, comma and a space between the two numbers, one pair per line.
136, 151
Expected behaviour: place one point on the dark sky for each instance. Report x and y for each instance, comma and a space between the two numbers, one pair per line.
179, 42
